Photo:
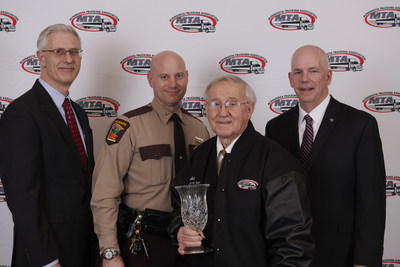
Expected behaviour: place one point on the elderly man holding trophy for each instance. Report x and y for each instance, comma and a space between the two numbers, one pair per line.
257, 211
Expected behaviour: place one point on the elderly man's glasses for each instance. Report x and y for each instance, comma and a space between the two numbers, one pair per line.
62, 52
230, 105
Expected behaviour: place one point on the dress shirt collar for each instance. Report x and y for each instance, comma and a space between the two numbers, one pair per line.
163, 113
227, 149
317, 113
58, 98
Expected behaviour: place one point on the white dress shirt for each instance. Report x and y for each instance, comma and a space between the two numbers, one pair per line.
317, 114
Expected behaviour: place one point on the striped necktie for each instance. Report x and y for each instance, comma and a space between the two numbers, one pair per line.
307, 141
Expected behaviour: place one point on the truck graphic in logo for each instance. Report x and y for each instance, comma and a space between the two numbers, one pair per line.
95, 21
194, 105
281, 104
384, 17
7, 21
383, 102
293, 20
97, 106
31, 65
392, 186
194, 22
243, 64
137, 64
340, 61
4, 102
2, 193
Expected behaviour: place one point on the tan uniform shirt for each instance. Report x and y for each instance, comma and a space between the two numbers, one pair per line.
137, 159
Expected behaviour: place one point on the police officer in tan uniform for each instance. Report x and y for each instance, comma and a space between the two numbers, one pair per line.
136, 163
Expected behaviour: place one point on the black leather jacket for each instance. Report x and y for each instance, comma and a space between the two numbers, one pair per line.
258, 211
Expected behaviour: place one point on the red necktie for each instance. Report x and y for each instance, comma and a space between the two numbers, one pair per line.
73, 128
307, 140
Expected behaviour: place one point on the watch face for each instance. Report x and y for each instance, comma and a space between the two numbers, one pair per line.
108, 255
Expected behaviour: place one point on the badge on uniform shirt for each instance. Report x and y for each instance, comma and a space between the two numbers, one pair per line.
247, 184
117, 130
199, 140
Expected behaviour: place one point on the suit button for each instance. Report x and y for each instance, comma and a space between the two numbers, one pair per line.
219, 250
219, 220
222, 190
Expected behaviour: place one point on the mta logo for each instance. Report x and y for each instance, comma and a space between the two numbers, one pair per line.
383, 15
188, 20
139, 65
194, 106
138, 62
282, 104
91, 104
338, 59
392, 187
287, 17
194, 23
384, 18
95, 22
345, 62
383, 103
89, 18
99, 107
31, 65
381, 100
291, 21
237, 61
3, 104
243, 64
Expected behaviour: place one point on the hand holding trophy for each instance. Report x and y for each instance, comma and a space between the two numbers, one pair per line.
194, 211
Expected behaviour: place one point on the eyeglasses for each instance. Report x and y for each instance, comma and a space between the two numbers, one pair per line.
62, 52
230, 105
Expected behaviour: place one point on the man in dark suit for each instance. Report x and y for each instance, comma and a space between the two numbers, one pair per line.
345, 166
47, 165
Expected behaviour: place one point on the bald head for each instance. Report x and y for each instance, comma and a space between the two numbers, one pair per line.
312, 49
166, 56
169, 78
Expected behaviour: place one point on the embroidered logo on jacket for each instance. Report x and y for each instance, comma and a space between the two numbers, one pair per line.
247, 184
116, 131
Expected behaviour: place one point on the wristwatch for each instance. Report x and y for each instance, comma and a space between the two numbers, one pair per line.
109, 254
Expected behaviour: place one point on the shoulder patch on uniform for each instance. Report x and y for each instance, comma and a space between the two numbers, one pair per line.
138, 111
117, 130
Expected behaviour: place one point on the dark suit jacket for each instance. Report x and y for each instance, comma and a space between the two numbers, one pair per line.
346, 184
47, 188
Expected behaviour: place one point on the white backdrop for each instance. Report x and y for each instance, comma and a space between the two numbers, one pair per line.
215, 38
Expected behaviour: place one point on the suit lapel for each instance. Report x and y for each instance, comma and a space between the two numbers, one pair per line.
52, 111
328, 123
291, 132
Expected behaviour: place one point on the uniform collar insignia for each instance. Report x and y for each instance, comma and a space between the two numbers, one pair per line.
199, 140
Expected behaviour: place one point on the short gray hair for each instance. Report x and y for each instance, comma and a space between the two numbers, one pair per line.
42, 39
250, 95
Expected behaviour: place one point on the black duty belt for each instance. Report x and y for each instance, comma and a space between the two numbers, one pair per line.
150, 221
